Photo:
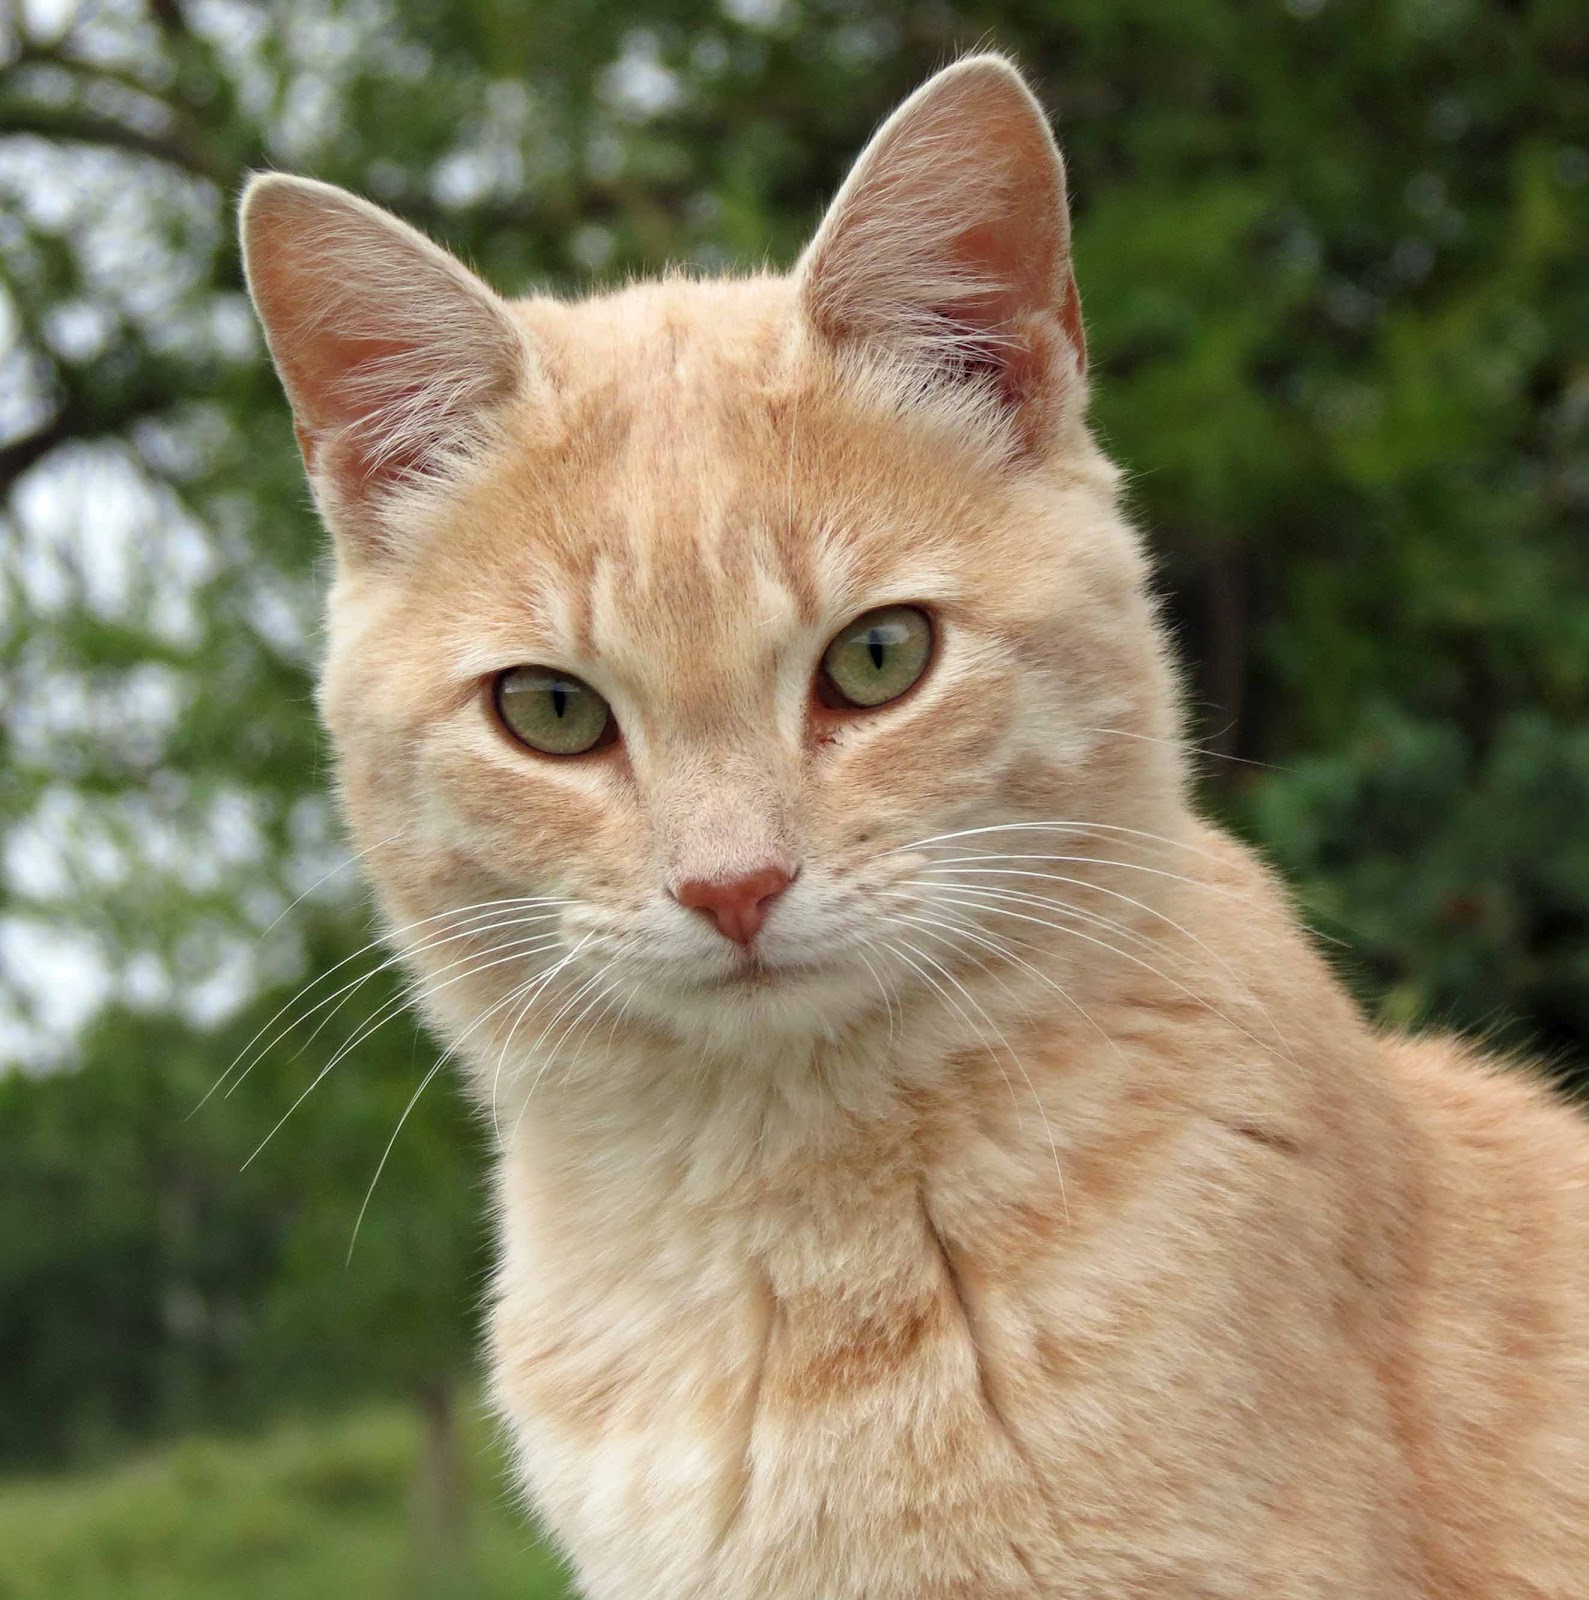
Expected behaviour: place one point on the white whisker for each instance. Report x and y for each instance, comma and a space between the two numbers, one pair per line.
1140, 905
486, 907
1057, 826
1180, 744
970, 931
520, 950
939, 862
522, 1012
425, 1083
324, 878
550, 1055
1020, 1066
996, 896
486, 924
380, 1166
1048, 903
888, 999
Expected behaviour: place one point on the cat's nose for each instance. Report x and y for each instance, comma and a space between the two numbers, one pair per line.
737, 905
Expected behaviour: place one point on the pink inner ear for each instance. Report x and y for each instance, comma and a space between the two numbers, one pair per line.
1022, 259
390, 351
1070, 321
1026, 359
347, 402
950, 243
373, 414
1020, 323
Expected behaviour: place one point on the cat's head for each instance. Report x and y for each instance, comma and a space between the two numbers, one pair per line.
686, 641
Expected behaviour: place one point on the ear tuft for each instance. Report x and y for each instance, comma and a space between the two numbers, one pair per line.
392, 353
948, 248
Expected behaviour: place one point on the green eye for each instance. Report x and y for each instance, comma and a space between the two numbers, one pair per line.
552, 712
877, 658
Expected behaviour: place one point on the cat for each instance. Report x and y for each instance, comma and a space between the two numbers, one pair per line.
933, 1161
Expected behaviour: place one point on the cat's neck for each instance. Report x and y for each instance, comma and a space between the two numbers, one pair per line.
656, 1122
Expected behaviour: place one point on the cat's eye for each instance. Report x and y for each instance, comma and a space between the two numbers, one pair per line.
876, 658
552, 712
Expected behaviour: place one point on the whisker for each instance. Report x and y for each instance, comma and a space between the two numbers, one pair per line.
341, 997
935, 930
633, 988
1020, 1065
996, 895
888, 999
499, 923
1187, 744
1115, 828
551, 1054
969, 930
602, 995
590, 983
394, 1008
425, 1083
894, 947
1048, 903
342, 866
1056, 826
937, 863
486, 907
1152, 911
380, 1166
523, 1011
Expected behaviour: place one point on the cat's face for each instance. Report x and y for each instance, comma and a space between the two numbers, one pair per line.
711, 804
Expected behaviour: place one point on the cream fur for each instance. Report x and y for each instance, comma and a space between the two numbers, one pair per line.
1043, 1220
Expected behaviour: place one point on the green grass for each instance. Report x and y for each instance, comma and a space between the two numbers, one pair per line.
321, 1510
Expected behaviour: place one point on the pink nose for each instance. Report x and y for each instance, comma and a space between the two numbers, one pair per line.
737, 905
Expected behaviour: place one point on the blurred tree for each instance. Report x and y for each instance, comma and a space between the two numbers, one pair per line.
166, 1265
1331, 254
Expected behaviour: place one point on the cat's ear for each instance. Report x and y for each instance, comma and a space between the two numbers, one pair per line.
394, 356
948, 248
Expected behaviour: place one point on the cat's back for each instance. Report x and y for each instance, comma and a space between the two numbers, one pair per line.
1494, 1380
1455, 1189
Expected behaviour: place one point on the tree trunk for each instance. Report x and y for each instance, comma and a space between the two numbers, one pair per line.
1226, 671
441, 1488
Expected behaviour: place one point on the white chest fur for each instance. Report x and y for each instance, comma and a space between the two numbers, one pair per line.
914, 1370
790, 1403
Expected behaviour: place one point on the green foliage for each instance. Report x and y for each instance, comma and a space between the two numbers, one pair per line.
1331, 253
305, 1512
159, 1273
1477, 886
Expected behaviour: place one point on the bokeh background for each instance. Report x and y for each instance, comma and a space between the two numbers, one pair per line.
1332, 255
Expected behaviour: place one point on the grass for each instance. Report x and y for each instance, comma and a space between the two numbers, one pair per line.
321, 1510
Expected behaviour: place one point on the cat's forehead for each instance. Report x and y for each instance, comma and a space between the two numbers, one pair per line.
697, 492
678, 340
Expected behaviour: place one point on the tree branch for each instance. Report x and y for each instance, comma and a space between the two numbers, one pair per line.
73, 421
20, 454
168, 15
77, 126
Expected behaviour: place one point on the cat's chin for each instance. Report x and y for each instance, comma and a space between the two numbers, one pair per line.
761, 998
759, 977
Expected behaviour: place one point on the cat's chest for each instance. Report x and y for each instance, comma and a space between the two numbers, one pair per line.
882, 1388
721, 1407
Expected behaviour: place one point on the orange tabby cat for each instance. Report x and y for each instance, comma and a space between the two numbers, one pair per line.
933, 1162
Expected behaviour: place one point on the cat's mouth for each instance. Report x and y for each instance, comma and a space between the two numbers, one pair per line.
752, 975
755, 974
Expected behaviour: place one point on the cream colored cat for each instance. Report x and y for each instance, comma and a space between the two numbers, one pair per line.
934, 1163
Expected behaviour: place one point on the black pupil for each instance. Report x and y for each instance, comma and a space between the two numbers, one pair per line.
876, 647
560, 699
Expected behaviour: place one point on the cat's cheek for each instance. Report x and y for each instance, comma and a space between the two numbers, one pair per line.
947, 751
